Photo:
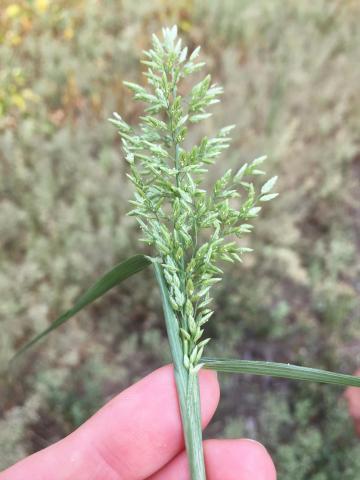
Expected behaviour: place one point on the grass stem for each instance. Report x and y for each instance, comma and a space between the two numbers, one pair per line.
187, 386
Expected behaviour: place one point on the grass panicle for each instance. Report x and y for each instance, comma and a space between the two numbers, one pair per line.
191, 229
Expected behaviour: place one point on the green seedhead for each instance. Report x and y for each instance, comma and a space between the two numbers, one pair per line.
191, 229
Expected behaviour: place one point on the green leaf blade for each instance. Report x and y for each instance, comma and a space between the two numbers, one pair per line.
281, 370
112, 278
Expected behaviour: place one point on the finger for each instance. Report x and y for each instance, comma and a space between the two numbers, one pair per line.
130, 438
225, 460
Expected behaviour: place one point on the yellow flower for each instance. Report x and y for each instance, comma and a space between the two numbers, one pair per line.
41, 5
12, 10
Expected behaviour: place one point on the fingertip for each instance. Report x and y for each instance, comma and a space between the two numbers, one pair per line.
209, 394
243, 459
209, 376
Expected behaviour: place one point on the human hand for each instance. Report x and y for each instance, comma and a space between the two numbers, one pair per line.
352, 395
138, 436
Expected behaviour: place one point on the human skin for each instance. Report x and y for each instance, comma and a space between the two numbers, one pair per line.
352, 395
138, 436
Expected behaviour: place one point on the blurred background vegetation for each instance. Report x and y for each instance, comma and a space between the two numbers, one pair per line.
291, 76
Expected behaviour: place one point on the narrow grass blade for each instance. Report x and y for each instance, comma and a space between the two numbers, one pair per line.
116, 275
282, 370
187, 387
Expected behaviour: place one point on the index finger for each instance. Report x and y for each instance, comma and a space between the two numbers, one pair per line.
132, 437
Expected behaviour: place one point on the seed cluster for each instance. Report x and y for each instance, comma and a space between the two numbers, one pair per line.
191, 229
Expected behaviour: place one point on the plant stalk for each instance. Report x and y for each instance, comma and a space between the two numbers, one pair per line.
187, 387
